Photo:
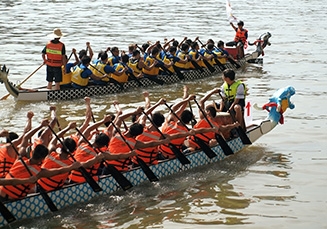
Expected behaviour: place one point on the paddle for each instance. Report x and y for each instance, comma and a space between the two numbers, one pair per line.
89, 179
209, 66
43, 193
245, 139
7, 215
179, 155
193, 122
131, 75
118, 176
206, 149
21, 83
155, 79
223, 144
233, 62
179, 74
120, 85
148, 172
197, 66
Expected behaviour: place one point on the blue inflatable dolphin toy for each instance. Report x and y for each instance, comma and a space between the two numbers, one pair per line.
278, 104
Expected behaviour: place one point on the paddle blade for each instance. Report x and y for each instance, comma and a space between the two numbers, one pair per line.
7, 215
120, 85
205, 148
241, 133
224, 146
179, 155
197, 66
119, 177
47, 199
89, 179
233, 62
5, 97
178, 72
155, 79
148, 172
209, 66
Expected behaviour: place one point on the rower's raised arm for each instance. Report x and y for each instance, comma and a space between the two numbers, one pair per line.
53, 143
24, 144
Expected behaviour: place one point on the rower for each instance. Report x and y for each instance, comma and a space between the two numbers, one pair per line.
18, 170
91, 155
57, 158
101, 67
119, 145
67, 72
173, 126
82, 74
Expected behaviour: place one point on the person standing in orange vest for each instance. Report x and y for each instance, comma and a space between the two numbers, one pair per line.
240, 38
54, 56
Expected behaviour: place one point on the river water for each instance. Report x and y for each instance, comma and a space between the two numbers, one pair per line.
278, 182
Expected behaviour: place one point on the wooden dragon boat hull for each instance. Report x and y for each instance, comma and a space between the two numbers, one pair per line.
35, 206
42, 94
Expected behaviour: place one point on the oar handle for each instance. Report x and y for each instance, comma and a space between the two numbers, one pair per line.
62, 143
97, 70
231, 113
202, 111
120, 134
21, 83
155, 126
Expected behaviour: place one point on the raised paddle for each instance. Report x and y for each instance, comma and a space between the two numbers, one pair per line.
241, 133
21, 83
179, 155
121, 85
206, 149
118, 176
89, 179
223, 144
43, 193
148, 172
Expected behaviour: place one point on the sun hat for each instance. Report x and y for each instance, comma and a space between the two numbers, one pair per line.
56, 33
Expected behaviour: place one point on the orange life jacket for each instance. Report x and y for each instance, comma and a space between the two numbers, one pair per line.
6, 161
172, 128
206, 137
240, 35
54, 54
18, 170
53, 161
148, 155
118, 146
83, 153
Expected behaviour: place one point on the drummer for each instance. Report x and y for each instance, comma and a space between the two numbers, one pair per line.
233, 96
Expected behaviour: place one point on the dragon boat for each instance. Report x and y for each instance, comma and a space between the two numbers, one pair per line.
34, 205
43, 94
